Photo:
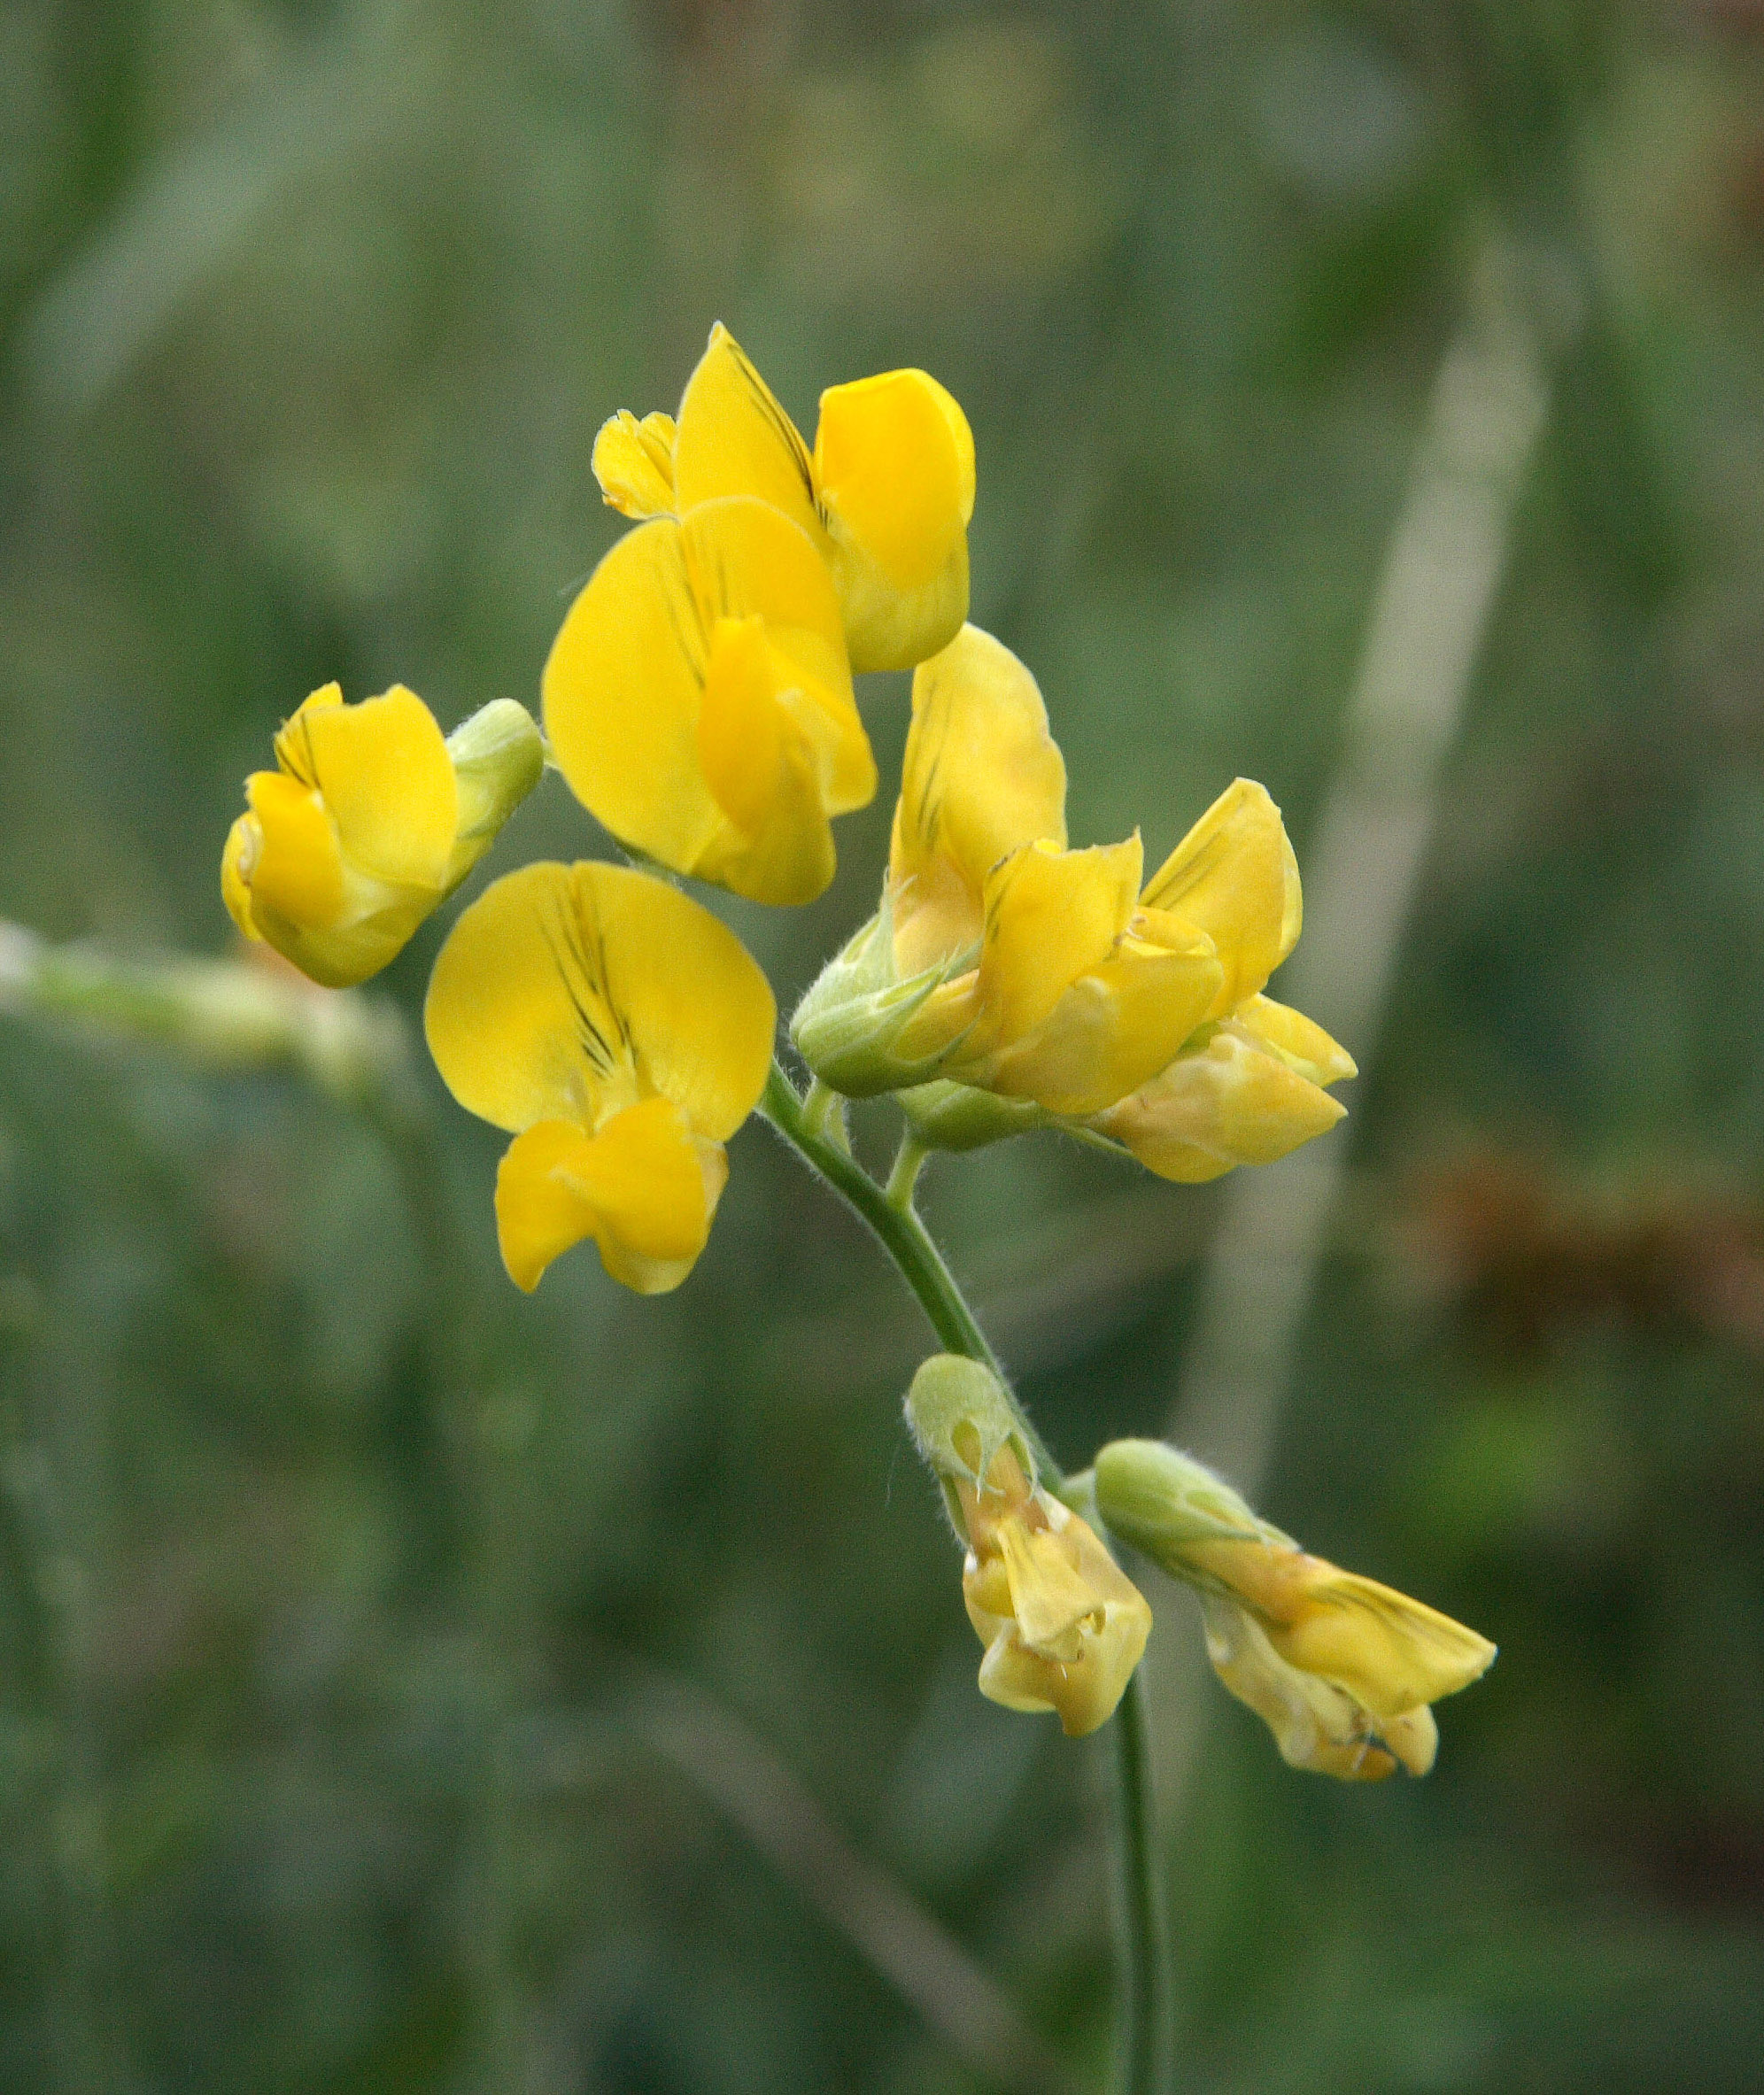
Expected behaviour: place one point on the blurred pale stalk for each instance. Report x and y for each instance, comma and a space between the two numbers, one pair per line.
1435, 595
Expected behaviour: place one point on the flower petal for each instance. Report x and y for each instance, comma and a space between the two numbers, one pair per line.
1389, 1652
297, 875
695, 1005
621, 698
1300, 1042
893, 470
1234, 876
634, 464
981, 777
383, 770
1226, 1103
645, 1187
244, 839
624, 692
734, 439
1050, 916
518, 1016
1115, 1027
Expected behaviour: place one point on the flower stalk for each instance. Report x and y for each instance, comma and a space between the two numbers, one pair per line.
1143, 2054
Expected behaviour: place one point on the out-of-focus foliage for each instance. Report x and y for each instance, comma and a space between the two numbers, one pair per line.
331, 1566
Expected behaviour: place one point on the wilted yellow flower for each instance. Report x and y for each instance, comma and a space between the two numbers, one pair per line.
622, 1034
885, 494
1063, 1624
1003, 961
699, 700
1342, 1669
370, 820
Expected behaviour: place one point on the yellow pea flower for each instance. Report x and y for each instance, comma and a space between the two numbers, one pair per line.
370, 820
1047, 978
1342, 1669
1063, 1624
699, 700
622, 1034
885, 494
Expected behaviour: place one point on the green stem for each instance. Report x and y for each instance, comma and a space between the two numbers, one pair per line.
1144, 2066
1145, 2051
908, 1162
906, 1240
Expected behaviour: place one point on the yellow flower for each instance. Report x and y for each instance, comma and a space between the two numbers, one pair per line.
1342, 1669
1003, 961
699, 700
370, 821
1063, 1624
886, 495
622, 1034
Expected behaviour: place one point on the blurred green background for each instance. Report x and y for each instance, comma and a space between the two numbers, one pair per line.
384, 1656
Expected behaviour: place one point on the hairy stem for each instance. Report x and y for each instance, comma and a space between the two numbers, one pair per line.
1143, 2064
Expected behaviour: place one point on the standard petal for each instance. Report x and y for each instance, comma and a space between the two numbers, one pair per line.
1234, 876
518, 1016
745, 561
1051, 916
621, 698
645, 1187
693, 1004
383, 770
734, 439
981, 777
634, 464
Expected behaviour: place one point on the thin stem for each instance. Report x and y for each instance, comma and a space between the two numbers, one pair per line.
908, 1162
906, 1240
1145, 2049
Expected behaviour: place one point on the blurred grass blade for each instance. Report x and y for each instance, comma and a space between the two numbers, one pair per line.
739, 1774
190, 210
1435, 597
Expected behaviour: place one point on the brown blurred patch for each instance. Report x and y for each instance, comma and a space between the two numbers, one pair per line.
1523, 1253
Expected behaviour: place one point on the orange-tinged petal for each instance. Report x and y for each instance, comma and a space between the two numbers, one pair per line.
645, 1187
734, 439
634, 463
298, 871
1234, 876
1389, 1652
387, 779
981, 777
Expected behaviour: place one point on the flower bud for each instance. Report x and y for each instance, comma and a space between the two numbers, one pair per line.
1340, 1668
1063, 1626
369, 823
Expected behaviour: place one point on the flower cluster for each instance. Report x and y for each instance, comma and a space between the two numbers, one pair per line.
698, 701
